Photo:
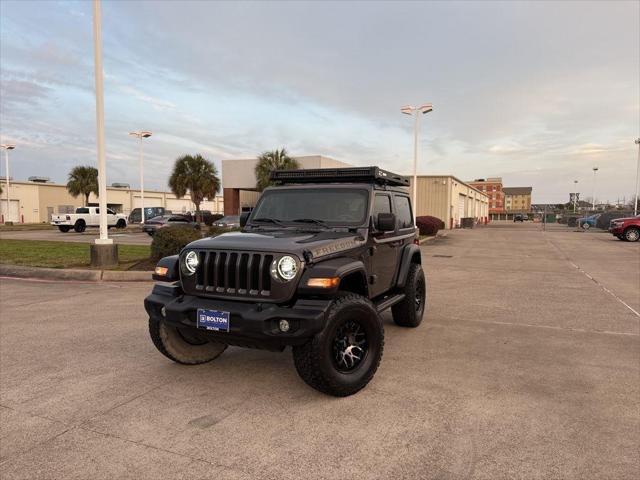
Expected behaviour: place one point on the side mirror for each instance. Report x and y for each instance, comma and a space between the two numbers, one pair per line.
244, 216
386, 222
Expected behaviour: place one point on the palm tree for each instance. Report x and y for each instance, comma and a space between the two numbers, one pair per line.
269, 161
196, 175
83, 181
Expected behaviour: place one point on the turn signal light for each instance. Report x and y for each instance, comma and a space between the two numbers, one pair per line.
330, 282
161, 271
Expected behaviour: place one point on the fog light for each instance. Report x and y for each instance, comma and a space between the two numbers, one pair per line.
163, 311
284, 326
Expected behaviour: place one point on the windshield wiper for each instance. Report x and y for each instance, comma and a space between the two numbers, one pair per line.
267, 220
311, 220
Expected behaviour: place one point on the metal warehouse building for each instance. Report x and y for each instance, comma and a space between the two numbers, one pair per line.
450, 199
35, 202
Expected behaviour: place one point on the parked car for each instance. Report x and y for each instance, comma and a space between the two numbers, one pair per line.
604, 220
626, 228
87, 217
230, 221
152, 225
204, 216
149, 212
518, 218
299, 274
587, 222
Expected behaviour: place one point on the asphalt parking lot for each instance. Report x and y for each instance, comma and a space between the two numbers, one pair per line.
126, 236
527, 365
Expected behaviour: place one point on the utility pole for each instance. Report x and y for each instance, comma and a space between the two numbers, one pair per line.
635, 207
103, 251
593, 200
7, 147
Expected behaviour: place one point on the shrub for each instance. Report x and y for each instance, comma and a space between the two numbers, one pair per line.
169, 241
428, 225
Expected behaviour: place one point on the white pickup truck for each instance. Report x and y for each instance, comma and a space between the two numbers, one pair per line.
87, 217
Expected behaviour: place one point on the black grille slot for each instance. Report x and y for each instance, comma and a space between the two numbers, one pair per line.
234, 273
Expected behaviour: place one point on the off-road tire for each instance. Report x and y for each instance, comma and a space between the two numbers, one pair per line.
632, 234
173, 345
121, 224
80, 226
64, 228
315, 361
408, 312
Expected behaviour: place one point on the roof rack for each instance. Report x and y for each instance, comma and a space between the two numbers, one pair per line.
338, 175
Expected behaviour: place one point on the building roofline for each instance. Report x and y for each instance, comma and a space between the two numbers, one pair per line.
454, 178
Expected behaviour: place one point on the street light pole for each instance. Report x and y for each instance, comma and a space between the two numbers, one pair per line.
141, 134
417, 111
635, 208
575, 195
7, 147
102, 166
593, 199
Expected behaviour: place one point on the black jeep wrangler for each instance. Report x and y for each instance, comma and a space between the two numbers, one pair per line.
319, 258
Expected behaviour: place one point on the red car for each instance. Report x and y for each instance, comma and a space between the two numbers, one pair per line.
626, 228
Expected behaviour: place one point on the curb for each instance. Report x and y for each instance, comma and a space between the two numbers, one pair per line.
433, 237
20, 271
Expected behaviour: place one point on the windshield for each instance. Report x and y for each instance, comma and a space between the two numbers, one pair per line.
339, 206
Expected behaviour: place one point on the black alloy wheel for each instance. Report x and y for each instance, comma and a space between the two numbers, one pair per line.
350, 346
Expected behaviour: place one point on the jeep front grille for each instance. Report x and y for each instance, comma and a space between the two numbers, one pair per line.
234, 273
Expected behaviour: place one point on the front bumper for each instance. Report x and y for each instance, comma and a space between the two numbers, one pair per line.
252, 324
616, 230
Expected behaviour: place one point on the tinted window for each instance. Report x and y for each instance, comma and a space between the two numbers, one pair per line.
82, 210
342, 206
110, 212
403, 211
381, 204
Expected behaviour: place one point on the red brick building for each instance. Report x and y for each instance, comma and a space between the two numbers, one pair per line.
492, 187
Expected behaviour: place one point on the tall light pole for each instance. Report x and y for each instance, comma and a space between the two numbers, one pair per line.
141, 134
7, 147
575, 195
593, 203
417, 111
635, 208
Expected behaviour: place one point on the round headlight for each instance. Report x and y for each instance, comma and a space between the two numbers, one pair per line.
191, 262
287, 268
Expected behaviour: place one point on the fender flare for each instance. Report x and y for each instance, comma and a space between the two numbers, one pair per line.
410, 254
335, 267
172, 264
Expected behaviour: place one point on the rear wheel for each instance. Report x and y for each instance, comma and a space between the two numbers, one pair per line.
409, 312
183, 345
64, 228
632, 234
344, 357
80, 226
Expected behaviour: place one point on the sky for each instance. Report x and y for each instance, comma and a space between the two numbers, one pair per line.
538, 92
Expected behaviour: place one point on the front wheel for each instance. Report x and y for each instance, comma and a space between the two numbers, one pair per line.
183, 345
344, 357
121, 223
585, 226
409, 312
632, 234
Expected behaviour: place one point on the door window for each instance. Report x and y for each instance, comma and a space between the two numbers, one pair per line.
381, 204
403, 211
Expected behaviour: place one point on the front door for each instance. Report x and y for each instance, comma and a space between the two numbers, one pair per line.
383, 251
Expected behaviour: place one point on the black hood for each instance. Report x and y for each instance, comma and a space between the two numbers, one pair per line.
305, 244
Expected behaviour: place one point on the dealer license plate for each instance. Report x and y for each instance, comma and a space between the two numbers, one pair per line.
213, 320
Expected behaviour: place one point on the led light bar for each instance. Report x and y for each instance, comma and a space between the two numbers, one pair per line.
339, 175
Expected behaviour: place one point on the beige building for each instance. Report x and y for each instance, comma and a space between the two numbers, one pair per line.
35, 202
517, 199
450, 199
239, 180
